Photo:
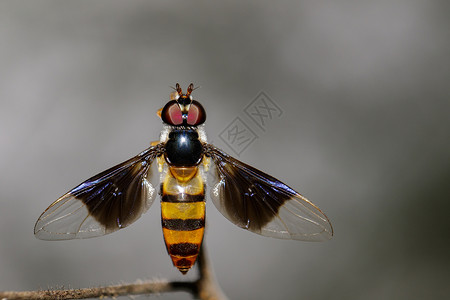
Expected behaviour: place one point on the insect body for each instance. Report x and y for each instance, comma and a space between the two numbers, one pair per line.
183, 188
246, 196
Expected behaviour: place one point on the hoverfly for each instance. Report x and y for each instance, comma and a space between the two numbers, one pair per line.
246, 196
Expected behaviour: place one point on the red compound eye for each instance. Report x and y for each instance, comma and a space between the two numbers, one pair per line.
196, 114
171, 113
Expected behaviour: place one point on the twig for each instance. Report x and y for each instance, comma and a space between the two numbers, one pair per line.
205, 287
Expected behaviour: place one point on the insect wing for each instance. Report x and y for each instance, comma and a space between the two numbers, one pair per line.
262, 204
102, 204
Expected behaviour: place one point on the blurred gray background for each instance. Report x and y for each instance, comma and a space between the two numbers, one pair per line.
364, 133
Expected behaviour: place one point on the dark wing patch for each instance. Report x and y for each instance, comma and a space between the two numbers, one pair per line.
102, 204
260, 203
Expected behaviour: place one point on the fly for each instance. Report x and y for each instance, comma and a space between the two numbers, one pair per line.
117, 197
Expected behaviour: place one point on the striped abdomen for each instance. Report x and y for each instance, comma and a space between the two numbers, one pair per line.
183, 215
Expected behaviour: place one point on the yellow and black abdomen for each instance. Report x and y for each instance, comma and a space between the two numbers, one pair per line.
183, 214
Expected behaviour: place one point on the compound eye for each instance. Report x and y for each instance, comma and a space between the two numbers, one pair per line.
171, 113
196, 114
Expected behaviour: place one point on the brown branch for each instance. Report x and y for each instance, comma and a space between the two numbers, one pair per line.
205, 287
